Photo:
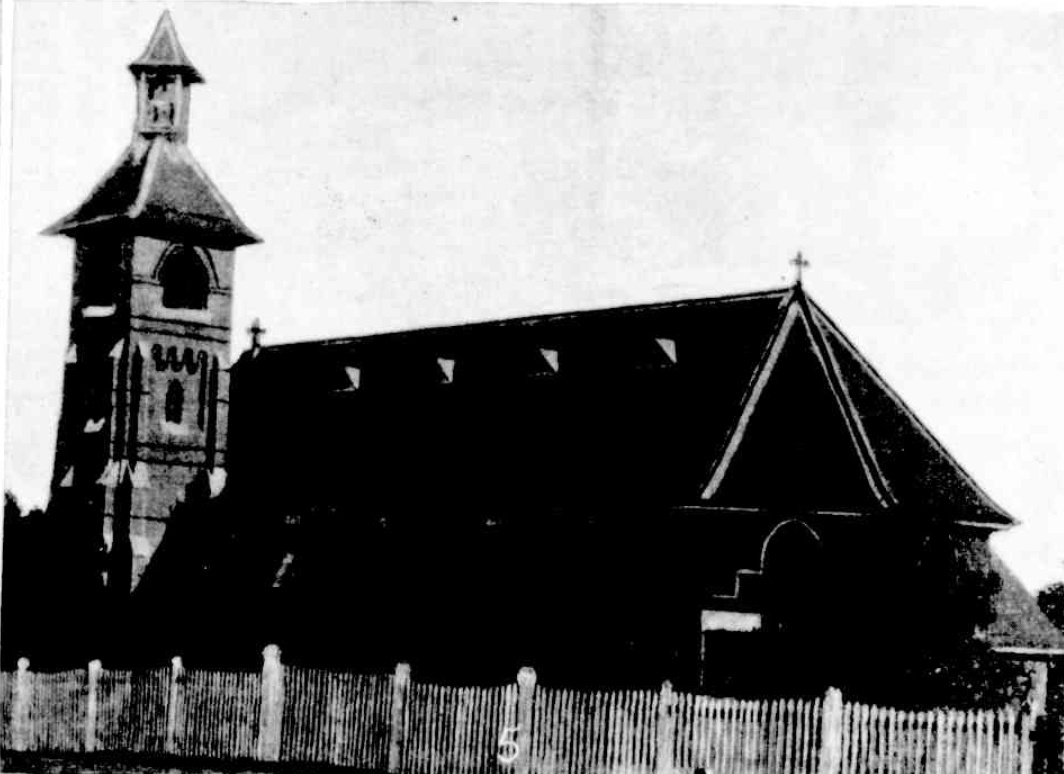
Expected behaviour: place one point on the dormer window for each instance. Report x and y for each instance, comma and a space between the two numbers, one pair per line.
185, 279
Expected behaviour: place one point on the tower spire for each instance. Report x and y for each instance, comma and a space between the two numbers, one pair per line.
157, 189
164, 52
163, 74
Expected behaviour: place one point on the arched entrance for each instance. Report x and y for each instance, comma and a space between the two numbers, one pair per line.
794, 614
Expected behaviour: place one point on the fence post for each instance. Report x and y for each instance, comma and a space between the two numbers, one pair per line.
526, 689
666, 729
174, 710
92, 699
831, 733
1038, 691
20, 707
1026, 742
272, 707
397, 730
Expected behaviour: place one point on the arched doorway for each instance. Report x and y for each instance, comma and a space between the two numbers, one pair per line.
794, 610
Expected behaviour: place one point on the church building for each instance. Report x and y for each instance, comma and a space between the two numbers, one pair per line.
612, 495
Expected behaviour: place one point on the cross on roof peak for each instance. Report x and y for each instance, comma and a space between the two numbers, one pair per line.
256, 330
799, 263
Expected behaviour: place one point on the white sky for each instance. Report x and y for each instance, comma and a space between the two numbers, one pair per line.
409, 165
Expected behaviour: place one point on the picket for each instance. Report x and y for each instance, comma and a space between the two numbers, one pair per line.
7, 687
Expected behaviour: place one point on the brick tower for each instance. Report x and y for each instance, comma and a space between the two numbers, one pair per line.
146, 385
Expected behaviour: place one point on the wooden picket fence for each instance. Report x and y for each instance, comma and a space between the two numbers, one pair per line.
877, 739
391, 723
340, 719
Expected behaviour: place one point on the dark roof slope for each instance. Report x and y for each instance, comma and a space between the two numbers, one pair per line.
548, 409
642, 402
158, 189
915, 464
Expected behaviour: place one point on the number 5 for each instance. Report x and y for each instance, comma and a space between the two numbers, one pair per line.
509, 743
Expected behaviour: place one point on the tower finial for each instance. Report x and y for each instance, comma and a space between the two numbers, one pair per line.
799, 263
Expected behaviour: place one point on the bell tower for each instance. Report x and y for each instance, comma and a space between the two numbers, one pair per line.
146, 383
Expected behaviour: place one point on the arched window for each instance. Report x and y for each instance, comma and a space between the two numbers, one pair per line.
175, 403
185, 279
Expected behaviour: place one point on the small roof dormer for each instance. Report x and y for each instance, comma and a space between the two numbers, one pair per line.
163, 74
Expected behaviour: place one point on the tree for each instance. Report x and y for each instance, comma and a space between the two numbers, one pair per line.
12, 510
1051, 601
51, 603
13, 605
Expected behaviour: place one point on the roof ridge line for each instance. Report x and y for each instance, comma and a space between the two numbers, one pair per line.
535, 318
837, 385
147, 177
921, 428
770, 356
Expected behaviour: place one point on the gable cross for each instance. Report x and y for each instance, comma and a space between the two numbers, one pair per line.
256, 330
799, 263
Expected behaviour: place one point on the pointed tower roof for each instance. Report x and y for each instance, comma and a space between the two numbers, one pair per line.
164, 52
158, 189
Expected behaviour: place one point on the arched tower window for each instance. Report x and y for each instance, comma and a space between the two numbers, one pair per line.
185, 279
175, 402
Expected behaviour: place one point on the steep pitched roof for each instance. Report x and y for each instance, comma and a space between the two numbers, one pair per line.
164, 52
916, 465
903, 463
707, 411
158, 189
